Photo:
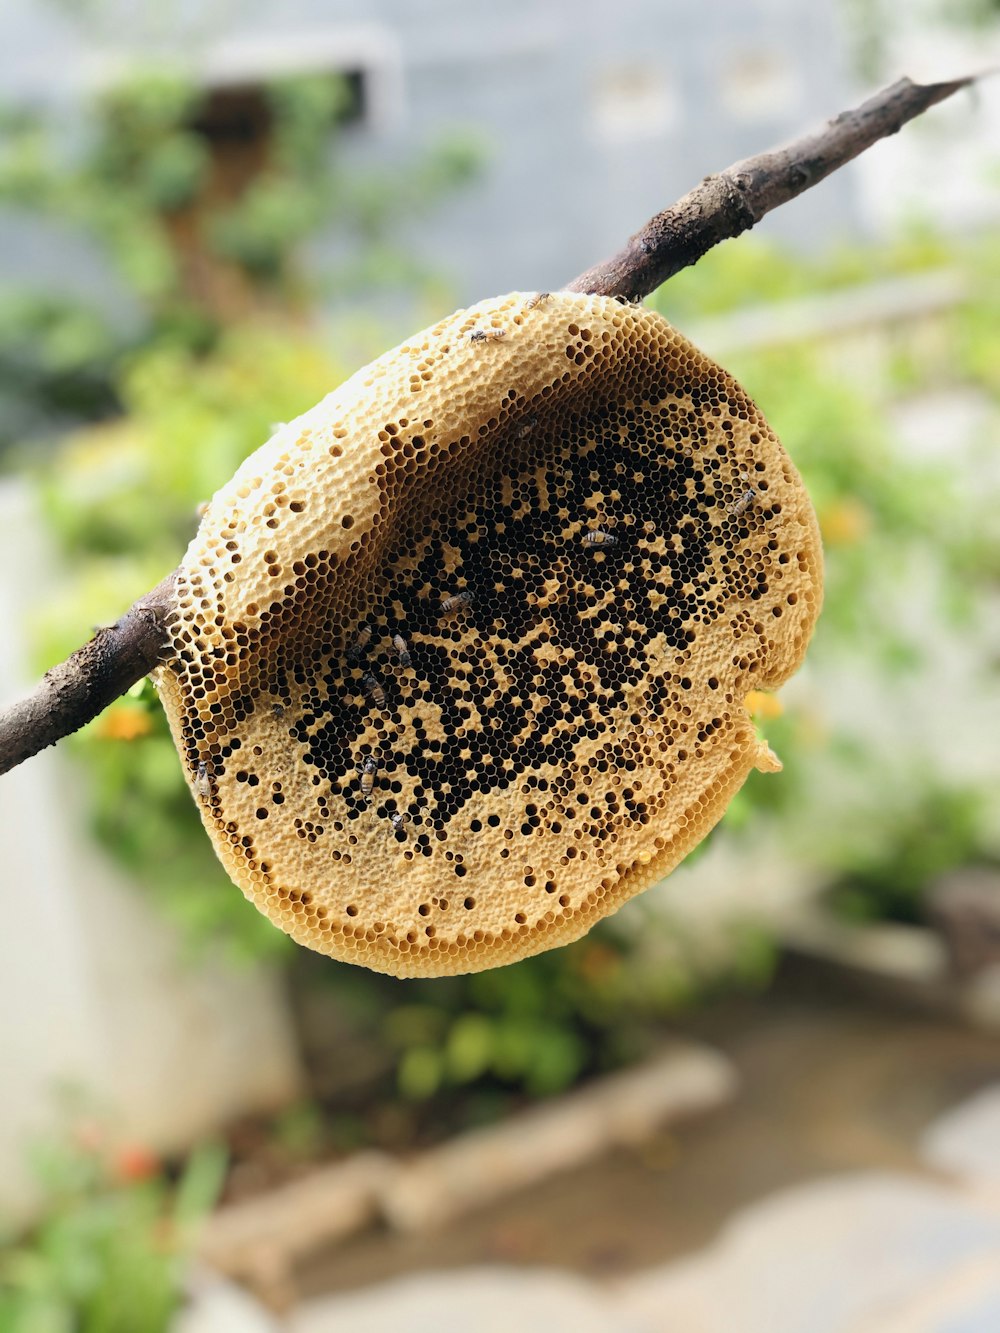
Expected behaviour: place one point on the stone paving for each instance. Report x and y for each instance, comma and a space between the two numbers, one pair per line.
965, 1143
836, 1256
864, 1252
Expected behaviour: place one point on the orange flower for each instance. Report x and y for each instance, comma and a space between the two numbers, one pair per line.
763, 705
124, 722
133, 1163
844, 523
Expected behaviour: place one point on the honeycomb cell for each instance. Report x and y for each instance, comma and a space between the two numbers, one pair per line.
459, 657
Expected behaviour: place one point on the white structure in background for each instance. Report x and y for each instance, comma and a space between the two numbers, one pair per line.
591, 117
94, 992
945, 169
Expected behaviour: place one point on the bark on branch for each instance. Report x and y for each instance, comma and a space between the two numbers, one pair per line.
723, 205
75, 691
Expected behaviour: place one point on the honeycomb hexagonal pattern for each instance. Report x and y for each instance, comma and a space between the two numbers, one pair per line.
459, 656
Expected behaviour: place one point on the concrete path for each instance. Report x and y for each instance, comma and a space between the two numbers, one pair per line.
864, 1252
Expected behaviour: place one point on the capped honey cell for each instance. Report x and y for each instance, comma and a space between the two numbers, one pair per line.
510, 600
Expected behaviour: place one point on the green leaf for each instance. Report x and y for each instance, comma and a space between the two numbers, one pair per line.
469, 1049
420, 1073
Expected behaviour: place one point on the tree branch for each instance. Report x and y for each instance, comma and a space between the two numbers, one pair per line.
733, 201
75, 691
724, 205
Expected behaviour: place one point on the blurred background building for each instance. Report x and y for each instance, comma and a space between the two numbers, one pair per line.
636, 107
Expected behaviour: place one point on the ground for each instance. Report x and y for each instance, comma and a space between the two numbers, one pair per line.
828, 1130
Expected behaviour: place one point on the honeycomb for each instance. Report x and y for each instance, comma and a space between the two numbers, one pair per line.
459, 658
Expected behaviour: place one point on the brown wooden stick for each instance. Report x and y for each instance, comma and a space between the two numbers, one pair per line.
724, 205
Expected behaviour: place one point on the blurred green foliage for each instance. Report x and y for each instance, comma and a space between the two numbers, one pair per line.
123, 501
753, 272
912, 552
189, 241
940, 828
537, 1027
187, 388
110, 1252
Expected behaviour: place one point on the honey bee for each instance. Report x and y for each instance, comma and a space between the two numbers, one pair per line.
203, 782
535, 300
402, 650
374, 692
455, 602
357, 648
598, 538
526, 427
743, 503
399, 821
487, 335
368, 770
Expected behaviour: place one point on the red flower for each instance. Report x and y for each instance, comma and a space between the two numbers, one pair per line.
132, 1163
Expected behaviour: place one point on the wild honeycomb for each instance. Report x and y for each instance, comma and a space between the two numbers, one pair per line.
459, 657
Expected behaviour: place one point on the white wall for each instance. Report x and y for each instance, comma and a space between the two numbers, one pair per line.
93, 988
944, 168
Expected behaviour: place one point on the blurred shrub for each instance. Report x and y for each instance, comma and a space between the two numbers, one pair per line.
122, 503
537, 1027
110, 1251
876, 802
939, 829
198, 242
757, 272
